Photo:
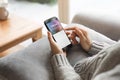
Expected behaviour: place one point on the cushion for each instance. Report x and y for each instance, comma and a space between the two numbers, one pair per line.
31, 63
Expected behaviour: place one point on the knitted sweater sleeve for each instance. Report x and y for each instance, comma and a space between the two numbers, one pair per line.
96, 47
62, 68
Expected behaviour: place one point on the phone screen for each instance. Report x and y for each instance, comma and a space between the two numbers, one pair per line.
54, 26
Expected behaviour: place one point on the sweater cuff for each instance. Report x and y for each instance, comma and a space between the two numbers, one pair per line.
96, 47
60, 60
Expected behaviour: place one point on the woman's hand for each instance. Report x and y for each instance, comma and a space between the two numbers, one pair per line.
74, 32
54, 47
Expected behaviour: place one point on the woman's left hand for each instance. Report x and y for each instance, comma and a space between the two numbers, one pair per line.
54, 47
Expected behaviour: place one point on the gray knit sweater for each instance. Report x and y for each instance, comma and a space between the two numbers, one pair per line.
103, 65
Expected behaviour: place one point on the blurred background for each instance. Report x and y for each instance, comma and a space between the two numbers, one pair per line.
40, 10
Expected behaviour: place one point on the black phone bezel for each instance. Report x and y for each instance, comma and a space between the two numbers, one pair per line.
50, 19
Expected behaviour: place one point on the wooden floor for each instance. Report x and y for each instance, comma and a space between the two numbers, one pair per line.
11, 50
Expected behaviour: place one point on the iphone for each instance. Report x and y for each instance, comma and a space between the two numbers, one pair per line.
54, 26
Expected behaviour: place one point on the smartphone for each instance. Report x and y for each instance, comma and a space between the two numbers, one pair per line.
54, 26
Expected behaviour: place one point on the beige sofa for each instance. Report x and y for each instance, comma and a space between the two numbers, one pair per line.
33, 62
106, 24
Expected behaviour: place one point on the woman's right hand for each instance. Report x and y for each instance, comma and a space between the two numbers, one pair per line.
74, 32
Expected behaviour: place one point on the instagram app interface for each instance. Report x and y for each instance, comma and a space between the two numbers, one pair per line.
54, 26
58, 33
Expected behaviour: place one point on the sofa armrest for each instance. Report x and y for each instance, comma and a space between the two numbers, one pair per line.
107, 25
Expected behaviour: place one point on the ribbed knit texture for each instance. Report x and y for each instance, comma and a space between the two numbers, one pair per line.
96, 47
62, 68
88, 68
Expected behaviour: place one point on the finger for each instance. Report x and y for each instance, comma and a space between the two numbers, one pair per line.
74, 28
84, 32
79, 33
70, 28
74, 41
67, 32
50, 37
86, 35
73, 38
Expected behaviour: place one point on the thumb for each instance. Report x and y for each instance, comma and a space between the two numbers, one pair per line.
50, 38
